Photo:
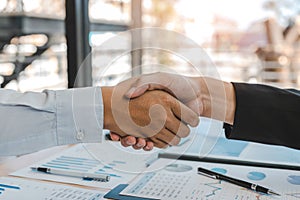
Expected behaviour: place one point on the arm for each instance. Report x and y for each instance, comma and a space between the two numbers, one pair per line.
266, 114
250, 111
32, 121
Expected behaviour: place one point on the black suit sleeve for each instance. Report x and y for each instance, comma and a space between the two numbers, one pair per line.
266, 114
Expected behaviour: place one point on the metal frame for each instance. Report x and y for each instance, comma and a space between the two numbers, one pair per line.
136, 38
77, 35
77, 29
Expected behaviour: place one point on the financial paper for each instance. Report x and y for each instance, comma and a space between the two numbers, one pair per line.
179, 180
208, 140
104, 158
16, 188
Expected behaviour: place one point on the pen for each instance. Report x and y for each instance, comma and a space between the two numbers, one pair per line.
85, 176
238, 182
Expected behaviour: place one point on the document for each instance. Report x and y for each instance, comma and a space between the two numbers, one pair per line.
16, 188
179, 180
106, 158
208, 140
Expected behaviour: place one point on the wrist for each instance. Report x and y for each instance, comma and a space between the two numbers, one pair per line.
217, 99
230, 103
204, 98
108, 116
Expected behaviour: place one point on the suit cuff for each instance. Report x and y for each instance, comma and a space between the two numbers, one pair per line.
79, 115
227, 129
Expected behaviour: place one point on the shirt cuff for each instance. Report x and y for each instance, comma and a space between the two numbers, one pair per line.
79, 115
227, 129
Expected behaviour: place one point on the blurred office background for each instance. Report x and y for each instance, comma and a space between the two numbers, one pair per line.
43, 42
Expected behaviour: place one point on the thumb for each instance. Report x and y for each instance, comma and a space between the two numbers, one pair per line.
149, 82
136, 90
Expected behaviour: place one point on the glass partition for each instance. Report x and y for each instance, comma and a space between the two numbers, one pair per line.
33, 47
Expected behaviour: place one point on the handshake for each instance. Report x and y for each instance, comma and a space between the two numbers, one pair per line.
157, 109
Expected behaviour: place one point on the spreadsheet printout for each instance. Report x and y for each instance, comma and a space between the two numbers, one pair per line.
179, 180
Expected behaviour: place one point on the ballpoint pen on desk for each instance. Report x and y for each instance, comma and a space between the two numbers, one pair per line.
85, 176
235, 181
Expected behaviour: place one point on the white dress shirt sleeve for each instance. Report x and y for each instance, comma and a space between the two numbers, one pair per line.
32, 121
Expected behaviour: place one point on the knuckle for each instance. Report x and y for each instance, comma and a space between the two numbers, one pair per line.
177, 129
138, 80
171, 101
163, 99
169, 121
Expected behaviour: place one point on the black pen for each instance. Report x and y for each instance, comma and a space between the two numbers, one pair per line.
238, 182
84, 175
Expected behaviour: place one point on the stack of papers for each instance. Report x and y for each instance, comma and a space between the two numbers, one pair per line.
16, 188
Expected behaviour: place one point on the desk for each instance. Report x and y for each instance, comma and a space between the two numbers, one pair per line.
20, 162
280, 178
24, 188
14, 164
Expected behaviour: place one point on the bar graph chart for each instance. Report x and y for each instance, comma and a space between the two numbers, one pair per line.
77, 159
5, 187
84, 165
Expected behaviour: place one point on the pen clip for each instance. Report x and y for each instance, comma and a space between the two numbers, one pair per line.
208, 175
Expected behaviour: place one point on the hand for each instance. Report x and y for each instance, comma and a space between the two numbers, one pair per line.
155, 115
208, 97
185, 89
166, 82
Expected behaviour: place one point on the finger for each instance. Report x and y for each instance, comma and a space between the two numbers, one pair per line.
149, 146
147, 82
184, 113
177, 127
141, 143
140, 89
167, 137
114, 136
159, 144
123, 143
128, 141
136, 91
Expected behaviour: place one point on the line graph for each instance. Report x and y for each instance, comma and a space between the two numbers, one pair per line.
215, 188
